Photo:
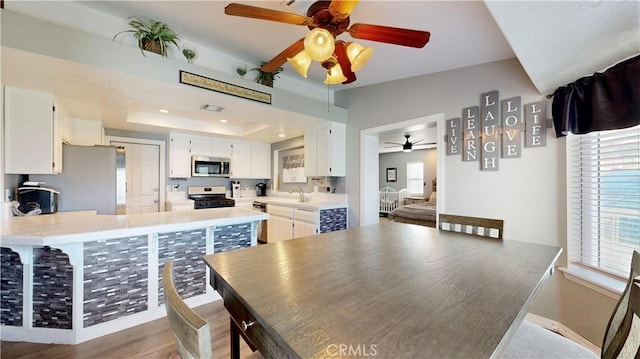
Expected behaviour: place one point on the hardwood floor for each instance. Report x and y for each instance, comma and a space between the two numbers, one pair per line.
149, 340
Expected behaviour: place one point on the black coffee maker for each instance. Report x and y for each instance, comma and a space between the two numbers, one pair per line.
261, 189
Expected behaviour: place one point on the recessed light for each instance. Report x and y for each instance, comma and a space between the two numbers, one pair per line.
164, 110
282, 135
224, 121
210, 107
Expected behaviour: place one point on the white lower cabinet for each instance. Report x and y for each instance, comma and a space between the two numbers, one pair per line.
305, 222
280, 223
290, 222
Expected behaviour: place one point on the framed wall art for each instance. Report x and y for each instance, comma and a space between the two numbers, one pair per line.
392, 174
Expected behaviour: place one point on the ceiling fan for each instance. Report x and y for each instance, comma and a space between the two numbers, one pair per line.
408, 145
327, 20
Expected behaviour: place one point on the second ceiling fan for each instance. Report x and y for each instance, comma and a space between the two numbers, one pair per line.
407, 146
327, 20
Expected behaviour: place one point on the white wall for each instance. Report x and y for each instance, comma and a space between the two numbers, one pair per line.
527, 192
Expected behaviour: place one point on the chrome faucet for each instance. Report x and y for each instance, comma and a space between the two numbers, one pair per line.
299, 190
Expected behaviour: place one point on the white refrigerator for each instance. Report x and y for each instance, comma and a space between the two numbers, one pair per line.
92, 178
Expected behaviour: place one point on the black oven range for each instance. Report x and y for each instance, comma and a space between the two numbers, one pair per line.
209, 197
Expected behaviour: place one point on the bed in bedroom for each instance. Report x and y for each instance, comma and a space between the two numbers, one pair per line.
423, 214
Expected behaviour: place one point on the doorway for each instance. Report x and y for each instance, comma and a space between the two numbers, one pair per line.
369, 165
145, 173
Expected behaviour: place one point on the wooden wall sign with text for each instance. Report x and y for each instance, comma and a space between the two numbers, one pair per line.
495, 129
454, 136
471, 133
489, 110
535, 118
206, 83
511, 128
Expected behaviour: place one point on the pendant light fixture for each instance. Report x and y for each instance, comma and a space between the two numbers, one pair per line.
319, 44
335, 75
358, 55
301, 63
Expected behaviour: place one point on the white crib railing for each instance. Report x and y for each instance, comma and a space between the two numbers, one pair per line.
388, 199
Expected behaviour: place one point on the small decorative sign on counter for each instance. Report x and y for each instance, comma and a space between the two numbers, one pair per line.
206, 83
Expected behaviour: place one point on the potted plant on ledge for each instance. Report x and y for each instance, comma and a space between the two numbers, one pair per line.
266, 78
155, 36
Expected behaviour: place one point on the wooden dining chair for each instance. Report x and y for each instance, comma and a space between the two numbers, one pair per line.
622, 336
485, 227
191, 331
621, 340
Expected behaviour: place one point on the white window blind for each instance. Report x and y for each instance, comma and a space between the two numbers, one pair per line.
415, 178
603, 183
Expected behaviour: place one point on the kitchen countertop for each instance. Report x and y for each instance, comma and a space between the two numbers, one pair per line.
81, 226
317, 201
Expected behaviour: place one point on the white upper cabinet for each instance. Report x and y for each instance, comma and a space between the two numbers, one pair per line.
241, 160
324, 150
248, 160
33, 138
210, 147
179, 156
261, 160
200, 147
220, 148
251, 160
84, 132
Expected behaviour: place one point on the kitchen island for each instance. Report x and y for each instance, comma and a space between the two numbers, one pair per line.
73, 276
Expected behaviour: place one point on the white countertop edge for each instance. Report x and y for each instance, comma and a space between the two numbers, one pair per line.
86, 235
316, 205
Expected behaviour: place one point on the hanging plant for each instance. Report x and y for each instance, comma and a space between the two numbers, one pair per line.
189, 55
266, 78
241, 71
154, 36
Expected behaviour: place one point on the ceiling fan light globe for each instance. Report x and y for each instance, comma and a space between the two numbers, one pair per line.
358, 55
319, 44
335, 76
300, 63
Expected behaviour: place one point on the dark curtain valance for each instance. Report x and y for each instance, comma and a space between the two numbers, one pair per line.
604, 101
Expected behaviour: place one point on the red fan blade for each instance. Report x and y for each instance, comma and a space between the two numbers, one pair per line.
266, 14
281, 58
390, 35
342, 8
343, 61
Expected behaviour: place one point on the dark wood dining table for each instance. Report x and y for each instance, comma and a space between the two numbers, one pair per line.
388, 290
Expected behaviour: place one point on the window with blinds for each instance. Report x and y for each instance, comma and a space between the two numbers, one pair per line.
415, 179
603, 183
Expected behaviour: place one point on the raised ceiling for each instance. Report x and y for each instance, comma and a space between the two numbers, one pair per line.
556, 43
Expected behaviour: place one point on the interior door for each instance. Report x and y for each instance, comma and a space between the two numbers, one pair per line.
143, 177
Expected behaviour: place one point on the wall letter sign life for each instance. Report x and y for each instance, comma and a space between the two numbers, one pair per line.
471, 133
511, 128
490, 131
535, 115
454, 136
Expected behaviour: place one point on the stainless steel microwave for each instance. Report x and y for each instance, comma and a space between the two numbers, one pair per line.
210, 167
